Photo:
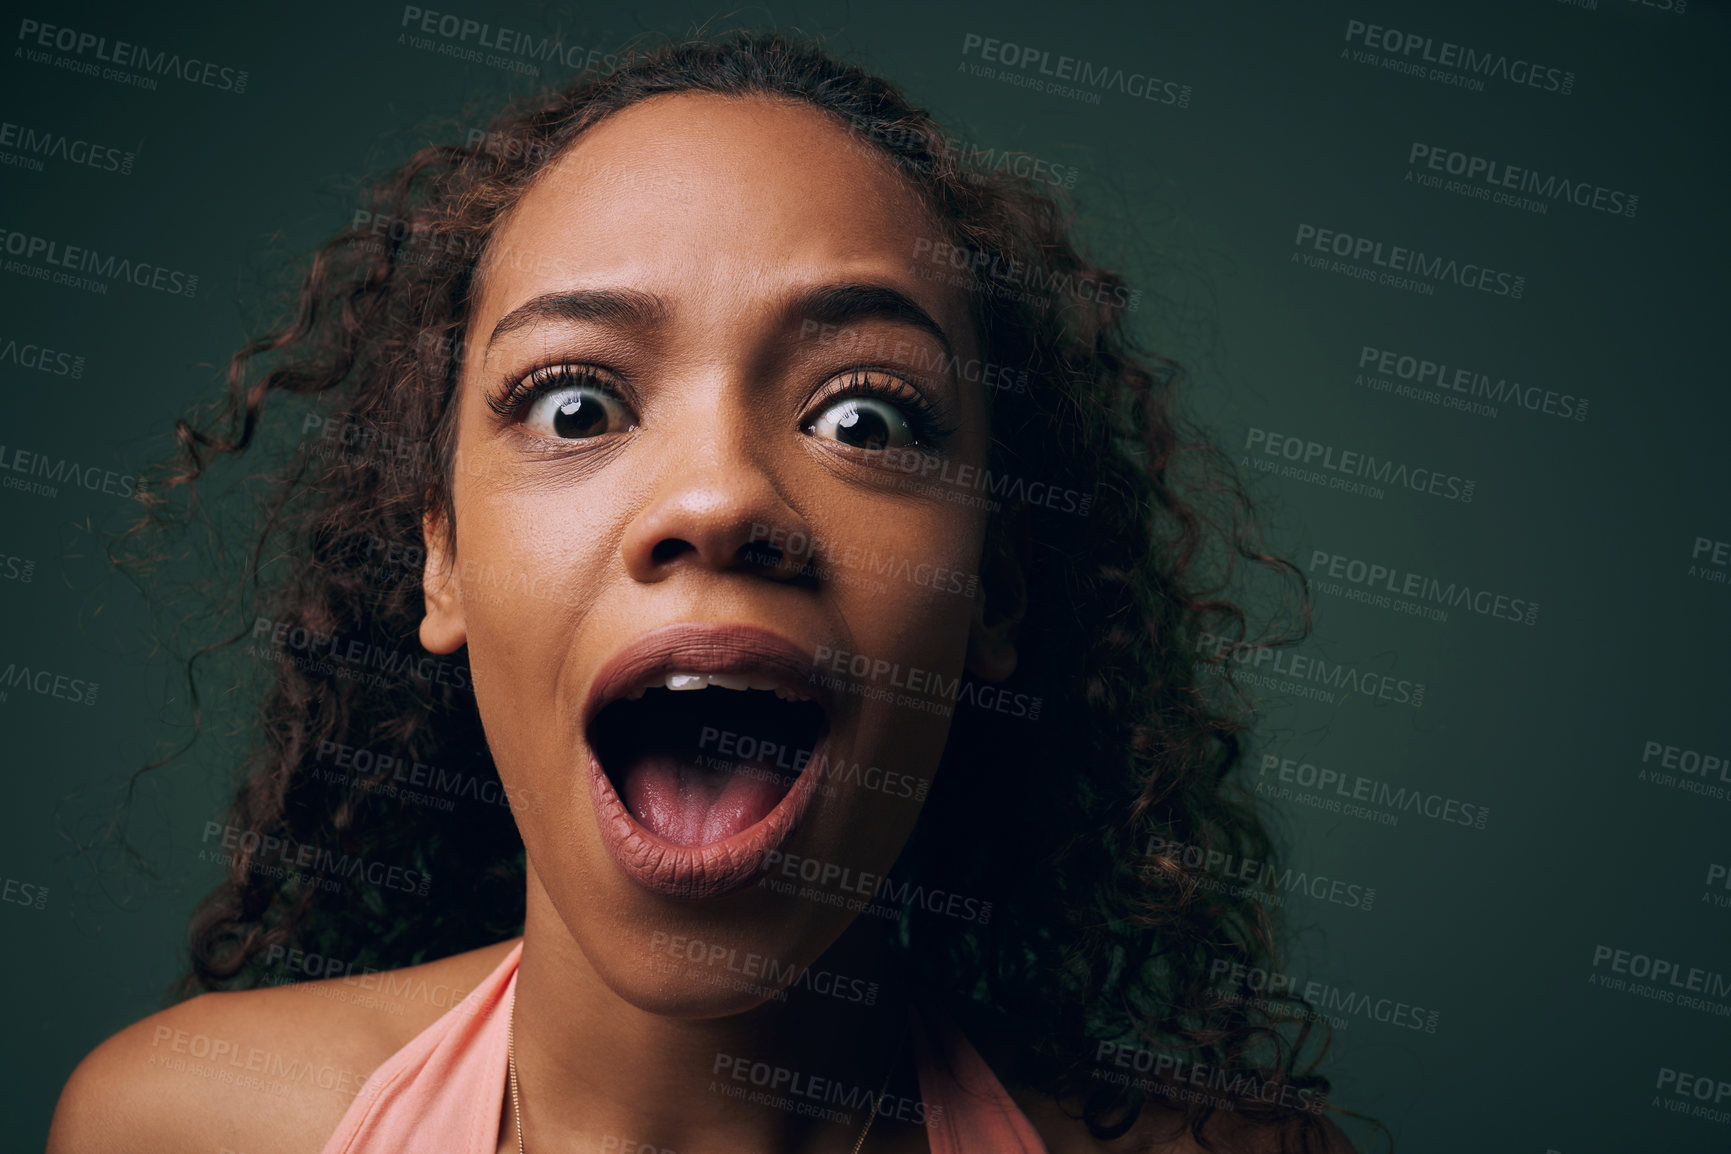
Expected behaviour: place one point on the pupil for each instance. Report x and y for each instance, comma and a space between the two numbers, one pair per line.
576, 419
863, 429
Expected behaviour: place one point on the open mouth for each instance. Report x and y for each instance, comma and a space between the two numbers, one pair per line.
705, 755
698, 758
700, 741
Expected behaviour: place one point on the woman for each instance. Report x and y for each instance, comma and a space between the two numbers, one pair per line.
800, 552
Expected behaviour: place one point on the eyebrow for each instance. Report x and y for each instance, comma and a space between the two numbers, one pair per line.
615, 308
841, 304
834, 304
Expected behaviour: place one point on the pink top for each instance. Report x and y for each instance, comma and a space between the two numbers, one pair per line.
444, 1090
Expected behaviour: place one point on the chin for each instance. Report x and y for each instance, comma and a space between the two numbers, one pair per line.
690, 998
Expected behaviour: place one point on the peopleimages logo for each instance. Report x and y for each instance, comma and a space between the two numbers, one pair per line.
1375, 579
463, 30
976, 161
144, 274
1458, 64
1710, 560
1502, 180
267, 853
351, 658
61, 471
1007, 277
1335, 1004
1102, 78
1667, 980
122, 55
925, 690
33, 144
810, 1095
1425, 374
41, 358
777, 975
1688, 770
1352, 469
1174, 1077
860, 892
1412, 264
1339, 792
1262, 881
47, 683
22, 893
1281, 669
1692, 1093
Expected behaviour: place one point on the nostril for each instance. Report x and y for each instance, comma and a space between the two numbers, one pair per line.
670, 548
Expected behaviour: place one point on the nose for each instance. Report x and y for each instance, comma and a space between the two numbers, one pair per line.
716, 506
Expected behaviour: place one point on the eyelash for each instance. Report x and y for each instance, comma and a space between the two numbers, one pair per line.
922, 414
516, 396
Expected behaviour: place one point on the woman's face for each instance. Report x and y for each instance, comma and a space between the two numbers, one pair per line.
716, 535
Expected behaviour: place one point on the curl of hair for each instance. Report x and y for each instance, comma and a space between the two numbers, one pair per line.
1103, 926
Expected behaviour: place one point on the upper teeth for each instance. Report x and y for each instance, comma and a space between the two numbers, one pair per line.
734, 681
682, 681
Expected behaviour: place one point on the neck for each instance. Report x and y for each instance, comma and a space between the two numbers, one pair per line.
596, 1072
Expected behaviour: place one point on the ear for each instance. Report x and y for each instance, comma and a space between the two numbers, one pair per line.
1002, 599
443, 629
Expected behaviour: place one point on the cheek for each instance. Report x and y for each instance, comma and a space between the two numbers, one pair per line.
907, 594
908, 579
525, 577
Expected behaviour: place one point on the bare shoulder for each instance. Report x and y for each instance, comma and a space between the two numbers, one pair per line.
265, 1071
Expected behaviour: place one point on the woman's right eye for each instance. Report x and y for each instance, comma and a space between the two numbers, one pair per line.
575, 412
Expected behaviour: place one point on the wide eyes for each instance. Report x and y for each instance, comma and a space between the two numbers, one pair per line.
573, 412
864, 423
864, 409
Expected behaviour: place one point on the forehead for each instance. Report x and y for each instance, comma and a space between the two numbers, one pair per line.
729, 190
694, 179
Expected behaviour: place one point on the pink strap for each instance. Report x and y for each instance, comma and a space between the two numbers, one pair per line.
446, 1088
968, 1111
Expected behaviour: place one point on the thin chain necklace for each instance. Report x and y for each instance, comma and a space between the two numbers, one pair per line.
517, 1103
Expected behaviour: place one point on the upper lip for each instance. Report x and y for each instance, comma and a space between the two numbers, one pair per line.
695, 647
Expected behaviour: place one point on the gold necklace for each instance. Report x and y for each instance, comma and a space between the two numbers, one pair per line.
517, 1104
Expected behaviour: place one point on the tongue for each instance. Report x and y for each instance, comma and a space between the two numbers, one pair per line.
695, 804
675, 758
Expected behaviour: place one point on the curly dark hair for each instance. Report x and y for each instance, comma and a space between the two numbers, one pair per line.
1106, 929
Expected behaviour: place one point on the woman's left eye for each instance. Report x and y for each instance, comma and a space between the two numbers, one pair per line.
864, 423
575, 412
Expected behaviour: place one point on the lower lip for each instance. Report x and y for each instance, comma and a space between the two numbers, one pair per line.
695, 871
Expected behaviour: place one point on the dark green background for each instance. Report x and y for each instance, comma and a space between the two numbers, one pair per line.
1595, 520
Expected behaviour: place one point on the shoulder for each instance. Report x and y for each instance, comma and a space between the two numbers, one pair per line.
267, 1071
